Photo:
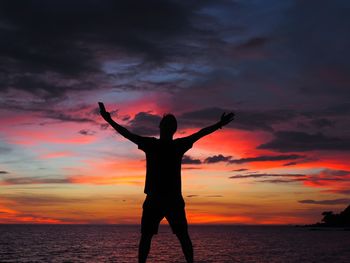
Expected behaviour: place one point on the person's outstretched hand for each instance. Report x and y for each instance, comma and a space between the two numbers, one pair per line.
226, 118
105, 114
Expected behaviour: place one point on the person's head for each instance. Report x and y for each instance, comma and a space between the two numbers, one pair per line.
168, 125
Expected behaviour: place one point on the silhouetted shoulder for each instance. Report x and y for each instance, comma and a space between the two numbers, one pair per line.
184, 143
145, 143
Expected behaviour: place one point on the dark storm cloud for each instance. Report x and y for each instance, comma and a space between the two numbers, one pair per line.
67, 118
55, 31
292, 141
262, 120
189, 160
245, 120
325, 115
145, 123
326, 202
45, 110
338, 109
240, 176
322, 61
321, 123
203, 114
266, 158
53, 49
50, 48
255, 42
217, 158
39, 85
53, 44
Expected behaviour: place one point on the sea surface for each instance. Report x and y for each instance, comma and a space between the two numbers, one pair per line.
116, 243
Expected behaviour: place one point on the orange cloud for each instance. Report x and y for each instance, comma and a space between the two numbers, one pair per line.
5, 210
107, 180
9, 216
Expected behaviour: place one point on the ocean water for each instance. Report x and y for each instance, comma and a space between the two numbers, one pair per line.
115, 243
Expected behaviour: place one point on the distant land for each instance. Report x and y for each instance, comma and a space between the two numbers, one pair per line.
334, 220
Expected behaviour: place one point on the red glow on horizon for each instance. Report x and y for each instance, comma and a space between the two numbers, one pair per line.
108, 180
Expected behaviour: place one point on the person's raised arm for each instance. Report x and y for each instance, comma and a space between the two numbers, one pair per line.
225, 119
123, 131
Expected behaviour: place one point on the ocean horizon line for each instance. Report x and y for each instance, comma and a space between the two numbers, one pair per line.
121, 224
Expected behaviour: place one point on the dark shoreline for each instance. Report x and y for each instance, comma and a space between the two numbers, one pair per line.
324, 227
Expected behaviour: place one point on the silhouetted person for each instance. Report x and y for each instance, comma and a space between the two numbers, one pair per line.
163, 179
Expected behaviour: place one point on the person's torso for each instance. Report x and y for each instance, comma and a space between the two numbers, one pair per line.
163, 161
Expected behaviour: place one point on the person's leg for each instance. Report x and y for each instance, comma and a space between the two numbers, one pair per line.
144, 247
186, 245
151, 217
176, 217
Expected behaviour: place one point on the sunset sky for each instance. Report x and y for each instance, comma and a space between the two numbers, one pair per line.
281, 66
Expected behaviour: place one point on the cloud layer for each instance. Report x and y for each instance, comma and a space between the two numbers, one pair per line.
196, 59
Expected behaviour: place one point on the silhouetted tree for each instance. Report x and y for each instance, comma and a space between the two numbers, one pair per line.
337, 220
328, 217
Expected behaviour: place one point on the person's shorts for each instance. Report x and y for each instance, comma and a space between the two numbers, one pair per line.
156, 208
